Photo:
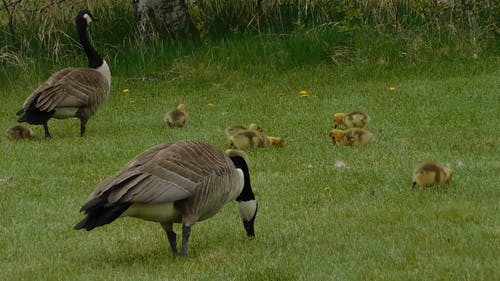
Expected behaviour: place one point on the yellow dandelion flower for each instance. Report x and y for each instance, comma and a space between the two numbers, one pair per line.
210, 105
125, 91
303, 93
392, 88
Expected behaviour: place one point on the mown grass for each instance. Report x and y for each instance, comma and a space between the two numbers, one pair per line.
315, 221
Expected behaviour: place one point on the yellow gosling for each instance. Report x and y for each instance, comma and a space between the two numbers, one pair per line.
431, 173
176, 118
19, 132
275, 141
351, 137
246, 139
355, 119
231, 130
256, 127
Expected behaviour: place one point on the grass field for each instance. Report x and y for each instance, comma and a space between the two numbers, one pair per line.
315, 221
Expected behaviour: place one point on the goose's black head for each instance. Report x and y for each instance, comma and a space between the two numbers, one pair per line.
84, 18
247, 205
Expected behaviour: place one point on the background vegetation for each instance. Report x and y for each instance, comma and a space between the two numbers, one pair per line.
426, 71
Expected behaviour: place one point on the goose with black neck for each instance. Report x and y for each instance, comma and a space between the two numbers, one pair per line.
71, 92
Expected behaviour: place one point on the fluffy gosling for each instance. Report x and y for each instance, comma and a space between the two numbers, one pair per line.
431, 173
275, 141
246, 139
351, 137
232, 130
19, 132
176, 118
355, 119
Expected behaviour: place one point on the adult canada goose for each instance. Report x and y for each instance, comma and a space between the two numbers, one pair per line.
19, 132
431, 173
351, 137
355, 119
176, 117
70, 92
180, 182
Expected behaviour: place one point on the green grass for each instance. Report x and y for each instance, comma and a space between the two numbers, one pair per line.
370, 226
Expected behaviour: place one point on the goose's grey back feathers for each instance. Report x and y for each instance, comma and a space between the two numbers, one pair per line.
198, 178
80, 88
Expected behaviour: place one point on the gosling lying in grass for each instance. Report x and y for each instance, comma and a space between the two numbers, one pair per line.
431, 173
19, 132
246, 139
355, 119
232, 130
176, 118
240, 137
252, 139
275, 141
351, 137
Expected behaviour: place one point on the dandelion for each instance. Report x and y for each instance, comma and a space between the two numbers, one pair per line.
303, 93
392, 88
125, 91
210, 105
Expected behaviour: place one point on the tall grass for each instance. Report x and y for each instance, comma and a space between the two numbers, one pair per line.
44, 30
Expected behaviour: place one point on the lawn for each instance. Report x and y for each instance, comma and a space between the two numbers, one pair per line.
316, 221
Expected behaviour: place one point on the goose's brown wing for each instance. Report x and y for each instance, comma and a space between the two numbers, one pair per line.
164, 173
69, 87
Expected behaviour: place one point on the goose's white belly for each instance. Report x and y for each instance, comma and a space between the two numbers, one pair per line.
65, 112
162, 212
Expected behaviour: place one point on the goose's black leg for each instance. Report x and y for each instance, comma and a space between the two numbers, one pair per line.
172, 238
46, 129
186, 231
82, 127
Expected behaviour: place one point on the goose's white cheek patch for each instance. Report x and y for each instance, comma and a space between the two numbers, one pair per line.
87, 18
247, 209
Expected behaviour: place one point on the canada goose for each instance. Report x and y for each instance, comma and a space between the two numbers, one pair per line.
19, 132
177, 117
351, 137
70, 92
355, 119
180, 182
431, 173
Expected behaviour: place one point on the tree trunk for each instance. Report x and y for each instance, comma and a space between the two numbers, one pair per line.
168, 17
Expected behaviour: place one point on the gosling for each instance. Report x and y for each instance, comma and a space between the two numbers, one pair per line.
431, 173
232, 130
275, 141
19, 132
355, 119
351, 137
177, 118
246, 139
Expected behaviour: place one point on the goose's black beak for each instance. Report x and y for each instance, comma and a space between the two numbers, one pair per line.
249, 227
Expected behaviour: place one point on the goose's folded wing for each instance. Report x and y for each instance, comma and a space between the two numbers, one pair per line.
73, 87
146, 179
